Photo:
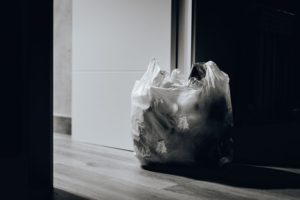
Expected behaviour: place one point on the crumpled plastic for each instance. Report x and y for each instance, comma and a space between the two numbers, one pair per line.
174, 120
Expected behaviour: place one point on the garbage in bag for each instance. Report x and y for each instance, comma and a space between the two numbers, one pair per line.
174, 120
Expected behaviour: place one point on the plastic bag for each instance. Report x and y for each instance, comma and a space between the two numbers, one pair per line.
174, 120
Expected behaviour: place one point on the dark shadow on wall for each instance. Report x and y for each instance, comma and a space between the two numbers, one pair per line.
268, 144
256, 43
248, 176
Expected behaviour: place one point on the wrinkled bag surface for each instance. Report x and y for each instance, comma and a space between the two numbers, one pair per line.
182, 121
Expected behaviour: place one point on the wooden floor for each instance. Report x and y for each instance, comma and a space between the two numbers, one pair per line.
96, 172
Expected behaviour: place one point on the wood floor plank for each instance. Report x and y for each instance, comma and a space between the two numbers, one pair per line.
98, 172
113, 188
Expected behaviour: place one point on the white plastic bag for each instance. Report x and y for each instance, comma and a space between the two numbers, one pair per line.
177, 120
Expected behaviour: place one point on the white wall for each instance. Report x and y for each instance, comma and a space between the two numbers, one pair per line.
62, 57
185, 36
113, 41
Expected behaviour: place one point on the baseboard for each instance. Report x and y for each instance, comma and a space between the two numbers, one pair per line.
62, 124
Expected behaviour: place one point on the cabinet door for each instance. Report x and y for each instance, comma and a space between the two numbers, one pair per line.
113, 41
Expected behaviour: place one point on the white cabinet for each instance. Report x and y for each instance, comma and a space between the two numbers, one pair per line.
113, 41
